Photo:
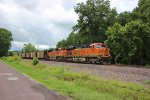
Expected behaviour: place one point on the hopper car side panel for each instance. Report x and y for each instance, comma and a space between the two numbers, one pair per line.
28, 55
40, 55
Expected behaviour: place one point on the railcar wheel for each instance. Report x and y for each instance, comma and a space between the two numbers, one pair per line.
105, 61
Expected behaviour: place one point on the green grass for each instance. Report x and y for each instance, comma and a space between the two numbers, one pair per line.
147, 82
79, 86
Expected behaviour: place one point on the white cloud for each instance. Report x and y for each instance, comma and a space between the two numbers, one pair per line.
124, 5
44, 23
17, 45
81, 1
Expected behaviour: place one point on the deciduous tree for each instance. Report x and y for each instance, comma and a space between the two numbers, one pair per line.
5, 41
130, 44
95, 16
28, 48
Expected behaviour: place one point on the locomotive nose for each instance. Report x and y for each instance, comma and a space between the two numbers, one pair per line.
105, 49
106, 52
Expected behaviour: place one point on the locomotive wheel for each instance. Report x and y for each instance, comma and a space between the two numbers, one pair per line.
105, 61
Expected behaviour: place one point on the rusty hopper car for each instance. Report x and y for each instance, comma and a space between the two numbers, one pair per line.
28, 55
33, 54
23, 55
40, 55
19, 54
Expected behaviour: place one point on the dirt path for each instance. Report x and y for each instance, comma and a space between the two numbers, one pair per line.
15, 86
124, 73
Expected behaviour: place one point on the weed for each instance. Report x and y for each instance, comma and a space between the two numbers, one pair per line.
12, 59
146, 82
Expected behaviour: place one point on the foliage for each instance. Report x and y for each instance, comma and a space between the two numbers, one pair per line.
95, 16
81, 86
61, 43
13, 52
142, 11
73, 39
130, 44
28, 48
12, 58
147, 82
123, 18
35, 61
5, 41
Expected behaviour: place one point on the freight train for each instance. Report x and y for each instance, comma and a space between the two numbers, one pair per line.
94, 53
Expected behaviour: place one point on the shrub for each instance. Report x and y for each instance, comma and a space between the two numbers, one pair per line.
35, 61
4, 58
12, 58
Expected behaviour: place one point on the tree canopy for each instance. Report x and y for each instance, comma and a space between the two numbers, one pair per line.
28, 48
130, 44
129, 38
5, 41
142, 11
95, 16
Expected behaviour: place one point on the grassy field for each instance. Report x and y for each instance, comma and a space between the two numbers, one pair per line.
78, 86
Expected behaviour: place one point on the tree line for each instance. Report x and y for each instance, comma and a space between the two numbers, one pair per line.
127, 34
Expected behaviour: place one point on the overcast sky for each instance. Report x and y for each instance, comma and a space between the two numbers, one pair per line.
44, 22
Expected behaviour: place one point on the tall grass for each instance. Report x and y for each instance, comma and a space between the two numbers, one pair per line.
79, 86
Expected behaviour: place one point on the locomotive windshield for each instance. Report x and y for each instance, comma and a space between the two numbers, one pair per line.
99, 46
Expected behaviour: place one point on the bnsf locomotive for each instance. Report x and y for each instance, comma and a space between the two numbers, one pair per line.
95, 53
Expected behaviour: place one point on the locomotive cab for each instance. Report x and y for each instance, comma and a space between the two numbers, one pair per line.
97, 45
100, 49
